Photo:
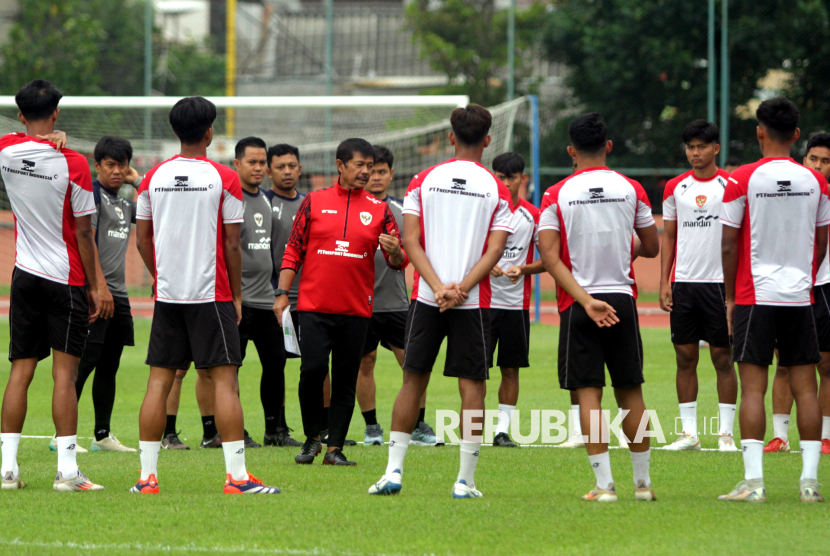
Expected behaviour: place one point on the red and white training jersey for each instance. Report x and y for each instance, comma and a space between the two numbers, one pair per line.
518, 251
696, 204
459, 203
47, 190
777, 205
595, 212
189, 200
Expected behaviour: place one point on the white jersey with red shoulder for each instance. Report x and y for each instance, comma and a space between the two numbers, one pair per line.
596, 211
47, 190
518, 251
459, 202
188, 201
695, 204
777, 204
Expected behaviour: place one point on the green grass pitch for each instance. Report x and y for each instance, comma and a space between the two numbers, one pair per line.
531, 501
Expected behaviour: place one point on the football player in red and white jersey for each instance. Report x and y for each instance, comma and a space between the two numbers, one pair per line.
691, 282
188, 220
457, 216
54, 286
775, 216
817, 158
510, 282
585, 240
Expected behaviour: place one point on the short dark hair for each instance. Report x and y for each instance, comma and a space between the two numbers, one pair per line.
191, 117
382, 154
509, 164
780, 118
733, 161
471, 124
588, 133
38, 99
707, 132
243, 144
116, 148
347, 149
281, 150
818, 140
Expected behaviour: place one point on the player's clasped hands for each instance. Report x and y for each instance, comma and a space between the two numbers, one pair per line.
514, 273
497, 272
449, 296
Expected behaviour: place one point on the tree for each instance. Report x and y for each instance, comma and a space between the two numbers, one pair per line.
55, 39
642, 65
467, 41
96, 47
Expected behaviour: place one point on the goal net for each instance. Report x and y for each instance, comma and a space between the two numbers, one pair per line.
414, 128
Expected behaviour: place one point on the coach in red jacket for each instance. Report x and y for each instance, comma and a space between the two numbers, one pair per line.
334, 238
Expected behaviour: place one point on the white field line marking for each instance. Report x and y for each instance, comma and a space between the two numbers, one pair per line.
145, 547
489, 446
79, 438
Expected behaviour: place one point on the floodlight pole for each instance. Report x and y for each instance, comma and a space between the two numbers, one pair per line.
329, 70
511, 50
537, 192
711, 66
724, 82
230, 64
148, 69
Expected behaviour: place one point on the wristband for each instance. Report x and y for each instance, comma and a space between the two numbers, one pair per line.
278, 292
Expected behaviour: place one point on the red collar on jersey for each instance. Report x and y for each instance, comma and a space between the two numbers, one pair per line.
346, 192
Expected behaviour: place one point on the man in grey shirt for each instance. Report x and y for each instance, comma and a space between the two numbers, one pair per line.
389, 314
114, 328
259, 233
284, 169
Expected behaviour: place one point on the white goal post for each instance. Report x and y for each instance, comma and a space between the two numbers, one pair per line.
414, 128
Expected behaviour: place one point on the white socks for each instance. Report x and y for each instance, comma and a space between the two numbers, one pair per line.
469, 459
810, 453
753, 459
505, 413
398, 443
601, 464
235, 460
688, 416
67, 462
726, 417
825, 427
640, 462
780, 426
10, 442
574, 423
148, 453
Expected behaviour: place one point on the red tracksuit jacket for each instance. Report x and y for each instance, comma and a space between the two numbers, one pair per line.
334, 238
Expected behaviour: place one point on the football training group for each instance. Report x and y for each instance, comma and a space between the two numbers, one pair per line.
321, 276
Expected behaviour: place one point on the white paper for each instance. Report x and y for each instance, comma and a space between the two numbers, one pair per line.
292, 345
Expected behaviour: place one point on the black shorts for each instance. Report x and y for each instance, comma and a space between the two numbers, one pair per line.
758, 329
386, 329
510, 329
698, 313
45, 315
201, 333
821, 312
466, 331
585, 349
261, 327
116, 330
